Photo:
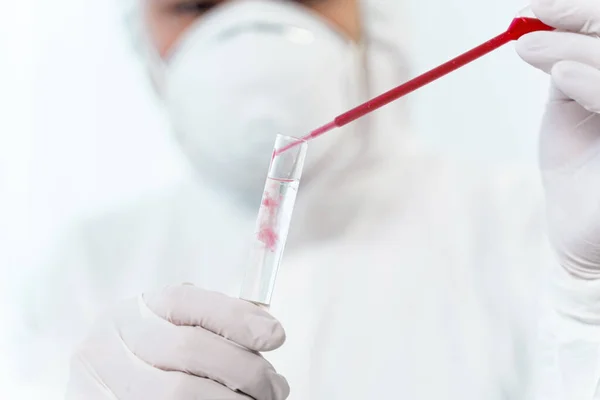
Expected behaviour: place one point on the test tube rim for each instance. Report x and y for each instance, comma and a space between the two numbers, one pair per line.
288, 137
291, 140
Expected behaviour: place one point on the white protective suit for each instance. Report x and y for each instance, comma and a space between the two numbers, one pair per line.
408, 276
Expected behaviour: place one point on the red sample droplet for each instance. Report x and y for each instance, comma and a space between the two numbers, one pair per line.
268, 237
269, 202
267, 234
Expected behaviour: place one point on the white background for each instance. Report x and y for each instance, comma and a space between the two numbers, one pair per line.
79, 130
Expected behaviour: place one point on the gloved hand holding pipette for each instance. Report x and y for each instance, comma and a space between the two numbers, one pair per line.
570, 167
570, 135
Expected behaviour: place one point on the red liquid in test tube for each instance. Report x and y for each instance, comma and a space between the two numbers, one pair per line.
266, 233
273, 203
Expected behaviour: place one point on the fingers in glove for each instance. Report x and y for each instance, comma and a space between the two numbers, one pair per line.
570, 135
234, 319
193, 388
569, 15
103, 368
544, 49
579, 82
201, 353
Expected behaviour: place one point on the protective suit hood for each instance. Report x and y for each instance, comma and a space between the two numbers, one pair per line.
343, 167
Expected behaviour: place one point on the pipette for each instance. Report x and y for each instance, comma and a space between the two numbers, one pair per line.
286, 166
525, 22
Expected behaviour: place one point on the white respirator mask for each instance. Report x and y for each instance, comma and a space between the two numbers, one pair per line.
252, 69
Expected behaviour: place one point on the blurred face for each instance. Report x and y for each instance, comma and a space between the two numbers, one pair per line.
234, 73
167, 20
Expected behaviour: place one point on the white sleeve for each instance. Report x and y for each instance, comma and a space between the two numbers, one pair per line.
568, 362
52, 319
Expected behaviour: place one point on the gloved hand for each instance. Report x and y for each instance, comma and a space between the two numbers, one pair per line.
570, 133
180, 343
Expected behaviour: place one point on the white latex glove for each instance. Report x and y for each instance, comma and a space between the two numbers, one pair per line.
180, 343
570, 134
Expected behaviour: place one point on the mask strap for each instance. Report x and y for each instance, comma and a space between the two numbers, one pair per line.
155, 65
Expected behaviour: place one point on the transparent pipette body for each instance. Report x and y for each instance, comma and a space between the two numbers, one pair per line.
273, 222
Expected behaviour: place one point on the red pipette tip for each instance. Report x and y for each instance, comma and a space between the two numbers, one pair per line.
519, 26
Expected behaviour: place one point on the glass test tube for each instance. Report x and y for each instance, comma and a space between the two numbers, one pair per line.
273, 222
